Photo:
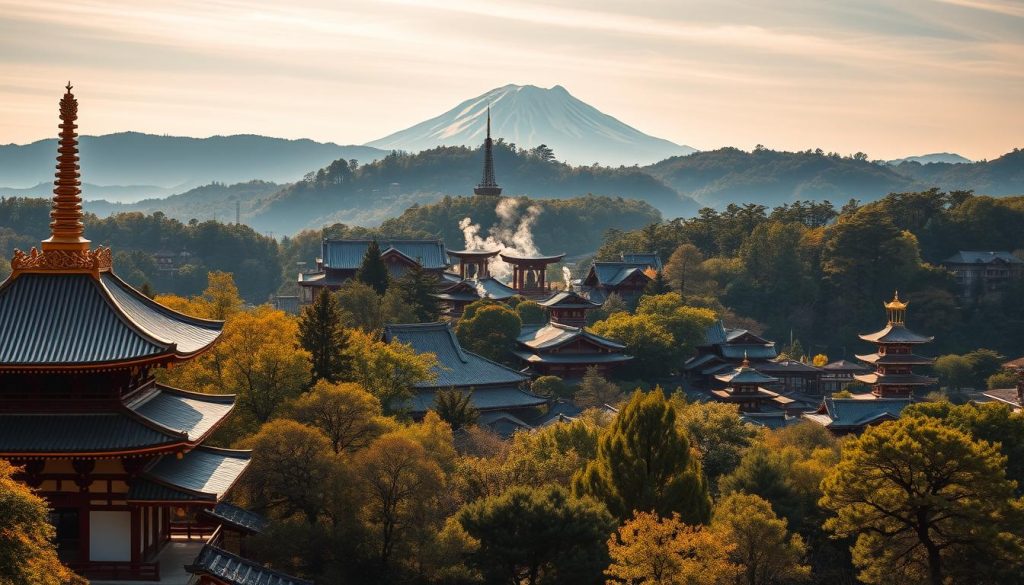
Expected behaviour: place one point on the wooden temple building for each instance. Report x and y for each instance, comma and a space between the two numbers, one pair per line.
895, 360
529, 273
118, 457
340, 260
627, 277
554, 349
744, 388
568, 308
471, 281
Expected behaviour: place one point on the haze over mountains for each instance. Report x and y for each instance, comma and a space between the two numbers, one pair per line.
527, 116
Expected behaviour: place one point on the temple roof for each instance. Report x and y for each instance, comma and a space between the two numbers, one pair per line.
853, 413
205, 473
231, 569
553, 335
456, 367
513, 258
572, 358
745, 375
612, 274
237, 517
78, 319
896, 359
895, 333
471, 289
976, 257
84, 434
758, 394
484, 399
568, 300
845, 366
780, 367
895, 379
196, 415
348, 254
651, 259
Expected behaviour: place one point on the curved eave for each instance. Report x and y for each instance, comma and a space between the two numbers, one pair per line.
473, 253
894, 359
512, 258
896, 334
895, 380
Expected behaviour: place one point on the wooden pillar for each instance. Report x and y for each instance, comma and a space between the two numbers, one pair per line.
136, 535
541, 280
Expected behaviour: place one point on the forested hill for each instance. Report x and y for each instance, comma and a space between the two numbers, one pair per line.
213, 201
367, 194
768, 177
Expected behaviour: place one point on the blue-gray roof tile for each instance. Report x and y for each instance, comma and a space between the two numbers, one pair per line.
348, 254
235, 570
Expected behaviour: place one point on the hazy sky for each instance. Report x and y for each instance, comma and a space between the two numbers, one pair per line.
890, 78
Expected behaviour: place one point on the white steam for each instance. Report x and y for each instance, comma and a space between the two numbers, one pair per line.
513, 233
567, 277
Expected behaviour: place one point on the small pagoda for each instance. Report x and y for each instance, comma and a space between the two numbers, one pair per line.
488, 184
118, 456
529, 273
744, 388
569, 308
473, 263
895, 359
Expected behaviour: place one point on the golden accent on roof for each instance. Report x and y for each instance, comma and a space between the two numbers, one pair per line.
896, 303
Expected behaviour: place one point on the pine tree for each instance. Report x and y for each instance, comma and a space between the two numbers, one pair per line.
456, 408
644, 463
373, 271
417, 288
322, 334
658, 285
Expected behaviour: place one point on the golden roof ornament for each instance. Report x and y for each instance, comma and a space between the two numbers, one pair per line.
896, 309
66, 250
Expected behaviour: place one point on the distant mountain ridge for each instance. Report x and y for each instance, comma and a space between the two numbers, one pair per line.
935, 157
528, 116
175, 162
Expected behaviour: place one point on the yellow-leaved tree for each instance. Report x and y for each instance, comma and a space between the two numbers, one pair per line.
388, 370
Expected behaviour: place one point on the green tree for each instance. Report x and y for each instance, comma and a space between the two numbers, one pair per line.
984, 363
594, 391
360, 306
389, 371
27, 553
373, 272
955, 371
926, 503
611, 305
683, 270
718, 434
686, 324
348, 415
395, 309
644, 463
417, 288
550, 386
646, 339
530, 312
764, 549
1002, 379
456, 408
538, 536
322, 334
491, 331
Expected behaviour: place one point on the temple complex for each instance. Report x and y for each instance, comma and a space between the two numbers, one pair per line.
894, 360
471, 281
488, 184
119, 457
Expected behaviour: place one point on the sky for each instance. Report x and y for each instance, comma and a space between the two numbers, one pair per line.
889, 78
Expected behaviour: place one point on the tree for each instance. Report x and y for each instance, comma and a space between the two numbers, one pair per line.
955, 371
291, 469
456, 408
658, 285
373, 272
322, 334
645, 338
491, 332
611, 305
530, 312
984, 363
648, 550
417, 288
397, 480
538, 536
395, 309
717, 432
27, 553
389, 371
686, 324
550, 386
926, 503
683, 269
221, 295
644, 463
360, 306
594, 391
1002, 379
766, 551
348, 415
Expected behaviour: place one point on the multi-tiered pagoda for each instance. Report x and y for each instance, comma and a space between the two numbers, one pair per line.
895, 359
488, 184
118, 456
744, 388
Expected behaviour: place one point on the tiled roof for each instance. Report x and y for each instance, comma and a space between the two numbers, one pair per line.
552, 335
65, 319
205, 471
571, 358
975, 257
144, 490
232, 569
348, 254
612, 274
787, 367
237, 517
82, 433
483, 399
651, 259
895, 333
898, 359
845, 366
456, 367
568, 300
900, 379
186, 412
854, 412
746, 375
739, 351
502, 423
770, 420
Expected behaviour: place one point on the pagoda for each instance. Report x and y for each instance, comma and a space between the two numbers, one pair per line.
744, 389
529, 273
895, 359
569, 308
488, 184
118, 456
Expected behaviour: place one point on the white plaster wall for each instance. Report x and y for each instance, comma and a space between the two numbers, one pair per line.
110, 535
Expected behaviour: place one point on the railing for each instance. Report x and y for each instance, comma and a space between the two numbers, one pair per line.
114, 571
190, 530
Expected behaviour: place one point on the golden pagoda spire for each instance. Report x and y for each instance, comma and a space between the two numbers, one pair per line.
66, 229
896, 309
746, 360
66, 250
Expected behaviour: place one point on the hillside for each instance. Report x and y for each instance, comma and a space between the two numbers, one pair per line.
213, 201
528, 116
368, 194
132, 158
1001, 176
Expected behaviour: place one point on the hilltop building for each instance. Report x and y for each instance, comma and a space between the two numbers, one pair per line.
978, 273
492, 386
554, 349
488, 184
119, 457
894, 361
627, 277
340, 260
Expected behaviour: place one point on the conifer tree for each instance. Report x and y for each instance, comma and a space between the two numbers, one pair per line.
417, 288
644, 464
658, 285
373, 271
322, 334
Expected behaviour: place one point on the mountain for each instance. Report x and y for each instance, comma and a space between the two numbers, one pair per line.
368, 194
999, 176
935, 157
528, 116
120, 193
175, 162
213, 201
